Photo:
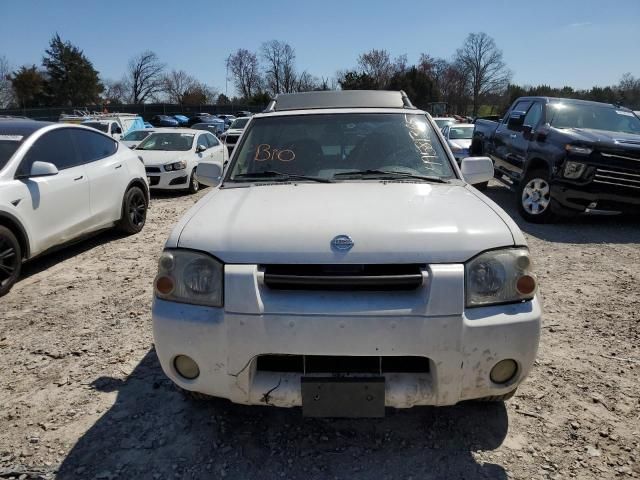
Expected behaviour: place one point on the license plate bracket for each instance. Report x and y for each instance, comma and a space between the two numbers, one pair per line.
343, 397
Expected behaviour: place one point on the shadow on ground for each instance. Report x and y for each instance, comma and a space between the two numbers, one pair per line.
153, 431
576, 229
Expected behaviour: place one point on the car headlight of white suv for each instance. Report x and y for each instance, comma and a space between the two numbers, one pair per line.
188, 276
499, 276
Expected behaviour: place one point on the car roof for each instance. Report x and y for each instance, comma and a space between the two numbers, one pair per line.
574, 101
20, 126
339, 99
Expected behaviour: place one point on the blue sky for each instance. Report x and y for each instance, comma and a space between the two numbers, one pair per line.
558, 42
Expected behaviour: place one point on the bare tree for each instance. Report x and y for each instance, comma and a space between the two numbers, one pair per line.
245, 71
177, 84
280, 74
629, 90
6, 91
144, 76
377, 65
481, 60
307, 83
115, 91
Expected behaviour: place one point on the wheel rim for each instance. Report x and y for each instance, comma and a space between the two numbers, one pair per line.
137, 209
194, 181
536, 196
8, 261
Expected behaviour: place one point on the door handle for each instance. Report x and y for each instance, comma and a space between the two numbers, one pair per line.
118, 166
513, 135
79, 178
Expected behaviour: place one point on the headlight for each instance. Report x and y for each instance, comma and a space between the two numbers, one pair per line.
578, 150
189, 277
499, 276
573, 170
175, 166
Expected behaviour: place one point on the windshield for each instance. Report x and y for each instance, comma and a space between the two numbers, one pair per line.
180, 142
460, 133
330, 146
596, 117
8, 146
136, 135
239, 123
103, 127
443, 122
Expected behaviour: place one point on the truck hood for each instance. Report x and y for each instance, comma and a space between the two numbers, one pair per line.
160, 157
387, 222
603, 137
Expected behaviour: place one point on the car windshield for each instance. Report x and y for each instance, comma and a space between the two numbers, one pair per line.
180, 142
239, 123
340, 147
596, 117
443, 122
136, 135
460, 133
103, 127
8, 146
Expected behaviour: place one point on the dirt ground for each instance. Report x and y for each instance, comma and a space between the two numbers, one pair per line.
82, 394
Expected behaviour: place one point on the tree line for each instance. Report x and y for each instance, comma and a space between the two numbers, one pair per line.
475, 81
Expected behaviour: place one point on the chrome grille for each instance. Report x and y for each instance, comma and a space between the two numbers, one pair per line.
616, 177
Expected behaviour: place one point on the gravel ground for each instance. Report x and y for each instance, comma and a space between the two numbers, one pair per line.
82, 394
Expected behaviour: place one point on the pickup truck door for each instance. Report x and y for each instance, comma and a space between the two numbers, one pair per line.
520, 143
503, 141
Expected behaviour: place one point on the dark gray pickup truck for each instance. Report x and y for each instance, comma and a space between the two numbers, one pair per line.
564, 156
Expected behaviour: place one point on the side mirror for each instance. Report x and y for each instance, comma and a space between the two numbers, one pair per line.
526, 131
475, 169
209, 173
43, 169
200, 148
516, 120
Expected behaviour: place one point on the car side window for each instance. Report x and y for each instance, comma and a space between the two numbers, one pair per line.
54, 147
92, 146
533, 115
213, 141
202, 141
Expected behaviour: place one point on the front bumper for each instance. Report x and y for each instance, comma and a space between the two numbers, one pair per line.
173, 180
611, 200
462, 345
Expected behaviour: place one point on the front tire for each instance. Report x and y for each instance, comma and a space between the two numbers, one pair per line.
10, 260
134, 211
534, 197
194, 184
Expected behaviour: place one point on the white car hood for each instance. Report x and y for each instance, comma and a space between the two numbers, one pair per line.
160, 157
388, 223
461, 143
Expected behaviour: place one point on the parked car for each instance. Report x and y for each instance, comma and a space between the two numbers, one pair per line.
243, 113
215, 126
183, 120
171, 158
133, 138
126, 121
345, 273
164, 121
60, 182
444, 121
200, 118
564, 156
109, 127
458, 136
231, 136
147, 125
228, 119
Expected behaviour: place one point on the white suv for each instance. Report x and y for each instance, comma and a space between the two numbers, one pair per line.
59, 182
344, 264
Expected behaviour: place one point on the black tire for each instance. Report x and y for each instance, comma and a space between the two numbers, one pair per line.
476, 148
194, 184
10, 260
482, 186
134, 211
498, 398
534, 197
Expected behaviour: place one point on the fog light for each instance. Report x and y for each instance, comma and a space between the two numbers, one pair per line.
186, 367
503, 371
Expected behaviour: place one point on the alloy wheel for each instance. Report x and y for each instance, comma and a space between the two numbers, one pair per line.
137, 209
536, 196
8, 261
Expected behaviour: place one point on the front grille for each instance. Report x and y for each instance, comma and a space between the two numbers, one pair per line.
153, 169
306, 364
617, 177
343, 277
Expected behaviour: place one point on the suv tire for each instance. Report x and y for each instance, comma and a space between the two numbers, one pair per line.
134, 211
10, 260
194, 184
534, 197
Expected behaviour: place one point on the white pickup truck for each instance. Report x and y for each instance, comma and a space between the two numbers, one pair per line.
345, 264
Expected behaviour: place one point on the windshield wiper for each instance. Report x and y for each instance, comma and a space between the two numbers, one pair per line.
389, 174
280, 176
